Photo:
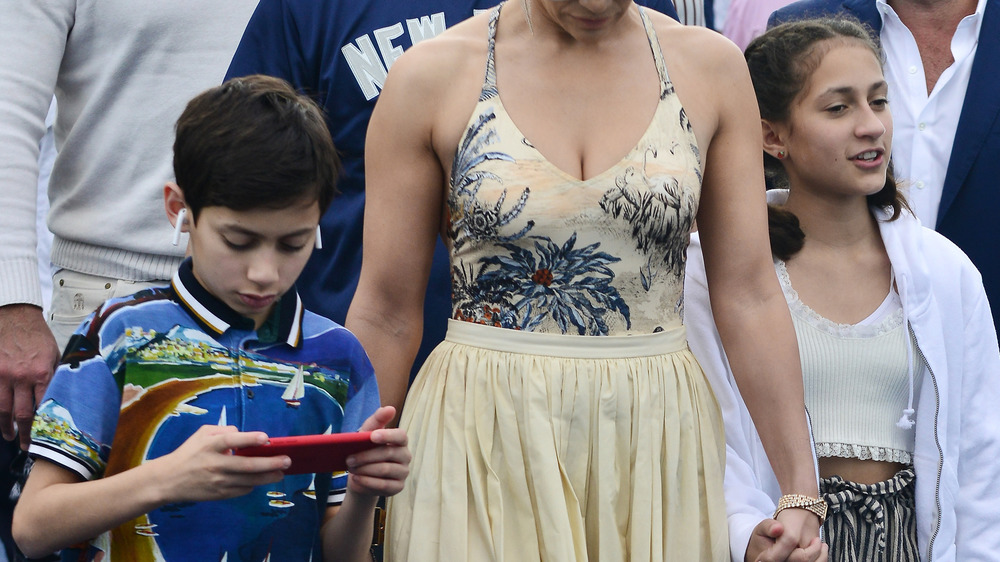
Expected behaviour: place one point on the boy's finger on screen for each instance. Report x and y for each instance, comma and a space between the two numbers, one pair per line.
258, 466
230, 438
390, 436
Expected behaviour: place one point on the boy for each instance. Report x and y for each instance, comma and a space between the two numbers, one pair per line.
133, 441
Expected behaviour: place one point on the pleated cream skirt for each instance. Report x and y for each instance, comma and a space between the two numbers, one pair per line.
532, 446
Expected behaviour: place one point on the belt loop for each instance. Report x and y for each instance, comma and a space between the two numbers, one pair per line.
378, 536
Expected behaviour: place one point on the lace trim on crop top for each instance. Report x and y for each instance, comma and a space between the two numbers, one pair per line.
863, 452
870, 327
832, 423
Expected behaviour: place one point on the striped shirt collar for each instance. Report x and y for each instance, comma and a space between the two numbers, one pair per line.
216, 317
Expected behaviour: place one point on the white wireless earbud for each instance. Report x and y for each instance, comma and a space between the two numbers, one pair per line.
181, 216
319, 238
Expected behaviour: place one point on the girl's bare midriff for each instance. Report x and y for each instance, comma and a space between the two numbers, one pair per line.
858, 470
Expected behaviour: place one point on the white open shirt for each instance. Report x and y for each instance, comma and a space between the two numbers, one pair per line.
925, 124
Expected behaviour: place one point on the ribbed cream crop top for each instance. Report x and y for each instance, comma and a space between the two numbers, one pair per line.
855, 378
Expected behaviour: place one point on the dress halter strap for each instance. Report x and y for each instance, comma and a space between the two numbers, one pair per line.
666, 87
490, 83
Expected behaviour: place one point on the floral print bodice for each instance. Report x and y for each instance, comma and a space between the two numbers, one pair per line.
533, 248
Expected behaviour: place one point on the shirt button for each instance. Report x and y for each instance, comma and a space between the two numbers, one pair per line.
250, 391
913, 70
920, 185
922, 126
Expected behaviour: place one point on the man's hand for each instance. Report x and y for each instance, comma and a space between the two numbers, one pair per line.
28, 356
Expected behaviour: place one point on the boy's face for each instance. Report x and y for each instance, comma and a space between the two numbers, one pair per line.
249, 259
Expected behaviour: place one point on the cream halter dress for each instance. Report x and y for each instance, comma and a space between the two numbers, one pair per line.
564, 418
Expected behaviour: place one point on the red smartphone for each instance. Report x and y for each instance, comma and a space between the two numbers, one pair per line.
313, 453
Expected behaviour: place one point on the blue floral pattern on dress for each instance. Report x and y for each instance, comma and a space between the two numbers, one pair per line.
568, 284
536, 248
472, 218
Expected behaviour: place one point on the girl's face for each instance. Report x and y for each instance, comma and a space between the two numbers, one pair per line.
839, 131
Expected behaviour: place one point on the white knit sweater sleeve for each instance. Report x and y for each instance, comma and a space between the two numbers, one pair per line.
32, 39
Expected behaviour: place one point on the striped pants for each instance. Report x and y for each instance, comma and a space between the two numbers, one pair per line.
871, 522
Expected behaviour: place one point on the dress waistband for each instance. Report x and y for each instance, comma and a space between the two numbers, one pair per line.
560, 345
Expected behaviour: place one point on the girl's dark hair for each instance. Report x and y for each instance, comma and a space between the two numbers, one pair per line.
254, 142
780, 62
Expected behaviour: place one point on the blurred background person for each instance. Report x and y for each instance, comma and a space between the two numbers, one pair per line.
747, 19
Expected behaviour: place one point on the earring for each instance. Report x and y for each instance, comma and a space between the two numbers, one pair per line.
181, 215
781, 154
319, 238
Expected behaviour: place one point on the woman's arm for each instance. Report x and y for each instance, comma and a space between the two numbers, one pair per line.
749, 308
405, 186
750, 488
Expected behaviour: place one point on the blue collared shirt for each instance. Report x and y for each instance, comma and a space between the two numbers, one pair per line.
144, 372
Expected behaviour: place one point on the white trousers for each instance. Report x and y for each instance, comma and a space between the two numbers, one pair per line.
75, 295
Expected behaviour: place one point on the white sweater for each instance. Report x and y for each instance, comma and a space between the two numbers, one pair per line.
122, 71
957, 440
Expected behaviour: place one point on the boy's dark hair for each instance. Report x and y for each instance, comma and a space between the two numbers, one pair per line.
780, 62
254, 142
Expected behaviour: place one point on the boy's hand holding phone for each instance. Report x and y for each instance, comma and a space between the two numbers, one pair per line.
380, 471
203, 468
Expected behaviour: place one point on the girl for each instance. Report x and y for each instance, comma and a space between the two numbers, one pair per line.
898, 349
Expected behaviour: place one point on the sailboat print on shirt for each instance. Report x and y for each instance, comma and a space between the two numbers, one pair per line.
310, 492
296, 389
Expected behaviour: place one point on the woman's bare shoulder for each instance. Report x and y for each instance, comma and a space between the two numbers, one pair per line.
445, 58
709, 74
433, 87
694, 46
